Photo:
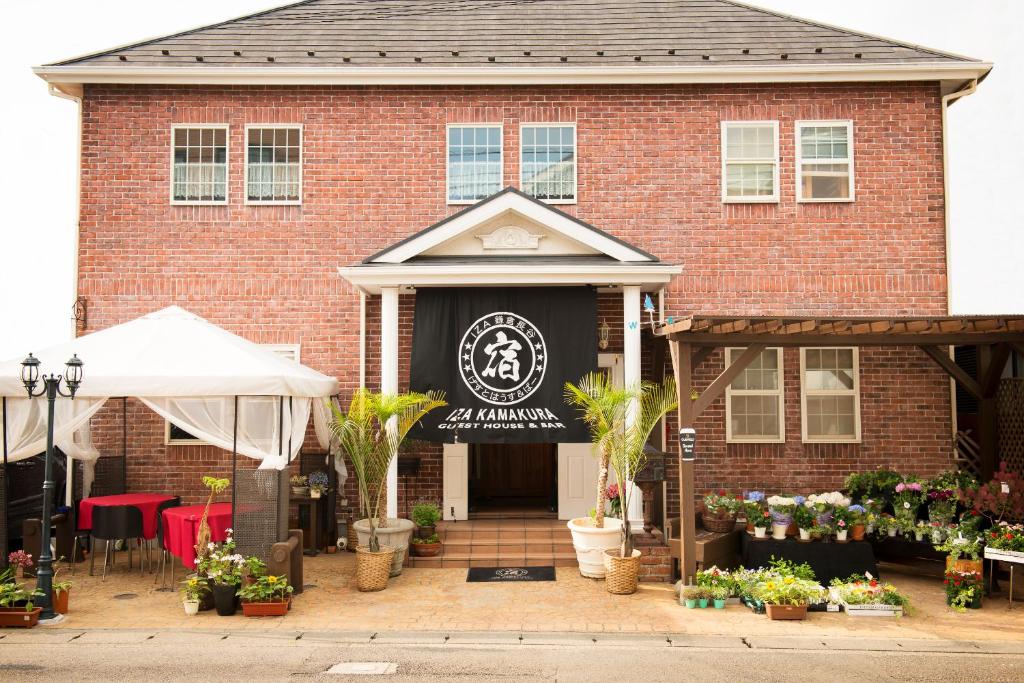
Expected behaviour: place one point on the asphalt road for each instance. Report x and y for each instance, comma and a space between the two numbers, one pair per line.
273, 656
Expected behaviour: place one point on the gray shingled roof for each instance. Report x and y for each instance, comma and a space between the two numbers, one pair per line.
451, 33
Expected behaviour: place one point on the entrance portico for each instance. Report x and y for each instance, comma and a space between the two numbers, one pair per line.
510, 240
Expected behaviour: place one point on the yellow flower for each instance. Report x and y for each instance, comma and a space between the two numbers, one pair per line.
770, 585
193, 582
271, 579
788, 579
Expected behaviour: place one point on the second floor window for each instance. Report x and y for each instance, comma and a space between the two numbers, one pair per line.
824, 164
273, 165
548, 162
750, 161
474, 162
199, 173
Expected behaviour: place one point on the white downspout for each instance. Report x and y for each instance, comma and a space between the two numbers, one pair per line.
69, 492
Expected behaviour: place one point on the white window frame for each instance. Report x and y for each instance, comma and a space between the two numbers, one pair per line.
447, 158
290, 351
855, 392
774, 198
302, 162
800, 162
778, 391
227, 166
575, 158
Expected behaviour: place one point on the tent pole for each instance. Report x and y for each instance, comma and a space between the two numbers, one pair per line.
280, 452
291, 425
234, 463
6, 493
124, 444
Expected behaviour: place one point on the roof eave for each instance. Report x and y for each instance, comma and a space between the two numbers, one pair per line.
71, 78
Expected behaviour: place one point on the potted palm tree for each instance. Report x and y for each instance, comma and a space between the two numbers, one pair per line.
371, 432
620, 421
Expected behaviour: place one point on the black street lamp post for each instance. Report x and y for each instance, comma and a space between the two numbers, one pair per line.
51, 389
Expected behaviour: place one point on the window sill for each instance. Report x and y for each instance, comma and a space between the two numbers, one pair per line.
295, 202
830, 441
184, 203
750, 200
755, 441
825, 201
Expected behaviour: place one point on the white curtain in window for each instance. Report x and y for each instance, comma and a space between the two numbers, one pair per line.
26, 424
267, 425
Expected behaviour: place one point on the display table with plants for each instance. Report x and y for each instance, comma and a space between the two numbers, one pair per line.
371, 432
828, 560
620, 421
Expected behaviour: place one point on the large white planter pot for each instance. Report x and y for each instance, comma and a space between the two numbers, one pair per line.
779, 531
591, 542
396, 534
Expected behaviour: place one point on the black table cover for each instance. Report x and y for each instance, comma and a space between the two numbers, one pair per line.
828, 560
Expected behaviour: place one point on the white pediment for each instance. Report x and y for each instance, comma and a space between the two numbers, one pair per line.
511, 224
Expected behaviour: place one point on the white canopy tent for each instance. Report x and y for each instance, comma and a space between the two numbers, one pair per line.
189, 371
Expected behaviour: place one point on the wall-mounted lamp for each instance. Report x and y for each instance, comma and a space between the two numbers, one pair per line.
78, 312
603, 333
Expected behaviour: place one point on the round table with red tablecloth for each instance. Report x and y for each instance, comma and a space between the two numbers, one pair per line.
147, 503
181, 527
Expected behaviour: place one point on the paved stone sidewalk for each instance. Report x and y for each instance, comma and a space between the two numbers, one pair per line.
439, 601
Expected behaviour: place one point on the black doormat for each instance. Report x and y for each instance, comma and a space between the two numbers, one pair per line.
492, 574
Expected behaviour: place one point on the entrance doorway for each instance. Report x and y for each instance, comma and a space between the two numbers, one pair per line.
513, 478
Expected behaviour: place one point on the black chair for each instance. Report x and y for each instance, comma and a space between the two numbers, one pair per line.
172, 503
114, 523
81, 535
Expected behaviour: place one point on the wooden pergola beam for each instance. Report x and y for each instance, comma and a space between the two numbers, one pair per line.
941, 357
717, 388
852, 339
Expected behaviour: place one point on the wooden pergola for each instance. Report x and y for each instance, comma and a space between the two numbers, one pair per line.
693, 338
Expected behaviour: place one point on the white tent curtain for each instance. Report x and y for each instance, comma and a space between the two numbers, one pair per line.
26, 425
322, 417
260, 422
79, 447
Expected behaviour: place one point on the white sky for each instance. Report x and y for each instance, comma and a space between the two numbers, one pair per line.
37, 224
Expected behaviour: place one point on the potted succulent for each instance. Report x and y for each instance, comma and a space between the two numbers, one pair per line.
781, 509
720, 511
299, 484
803, 515
16, 607
690, 595
268, 596
223, 568
720, 594
193, 589
318, 484
621, 420
371, 432
787, 597
426, 516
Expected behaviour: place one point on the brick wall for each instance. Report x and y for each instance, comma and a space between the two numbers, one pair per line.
649, 173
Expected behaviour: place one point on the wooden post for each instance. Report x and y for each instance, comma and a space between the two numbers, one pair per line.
991, 360
682, 359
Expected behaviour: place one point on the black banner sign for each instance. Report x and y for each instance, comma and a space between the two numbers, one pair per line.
502, 357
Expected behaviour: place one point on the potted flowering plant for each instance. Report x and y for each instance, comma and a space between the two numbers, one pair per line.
886, 525
858, 516
872, 511
1005, 542
842, 520
318, 484
1001, 499
963, 551
963, 589
691, 595
908, 498
824, 503
754, 507
192, 590
787, 597
866, 596
720, 511
720, 594
762, 525
922, 529
16, 608
805, 522
715, 579
269, 596
223, 568
781, 509
614, 501
299, 484
941, 505
19, 559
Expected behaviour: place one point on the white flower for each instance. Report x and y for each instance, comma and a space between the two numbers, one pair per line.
197, 560
906, 505
229, 531
210, 546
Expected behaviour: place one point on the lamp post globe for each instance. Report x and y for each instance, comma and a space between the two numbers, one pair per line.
51, 389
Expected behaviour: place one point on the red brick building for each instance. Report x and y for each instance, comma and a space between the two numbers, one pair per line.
277, 175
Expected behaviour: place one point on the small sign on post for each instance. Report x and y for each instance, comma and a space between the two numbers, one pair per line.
688, 443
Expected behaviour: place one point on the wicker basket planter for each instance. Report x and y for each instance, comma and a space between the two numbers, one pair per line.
19, 617
276, 608
622, 574
373, 569
396, 535
718, 522
786, 612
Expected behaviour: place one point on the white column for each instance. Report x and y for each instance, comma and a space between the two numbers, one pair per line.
389, 375
631, 377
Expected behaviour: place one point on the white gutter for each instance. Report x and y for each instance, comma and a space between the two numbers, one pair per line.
71, 76
947, 100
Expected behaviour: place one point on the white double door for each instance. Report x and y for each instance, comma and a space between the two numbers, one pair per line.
577, 468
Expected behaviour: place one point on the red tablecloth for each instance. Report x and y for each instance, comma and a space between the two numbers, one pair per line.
147, 503
181, 526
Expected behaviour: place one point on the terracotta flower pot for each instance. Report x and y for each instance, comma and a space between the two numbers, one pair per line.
425, 549
857, 532
59, 600
275, 608
786, 612
19, 617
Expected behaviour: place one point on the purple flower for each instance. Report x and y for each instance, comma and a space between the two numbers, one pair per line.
799, 500
755, 496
